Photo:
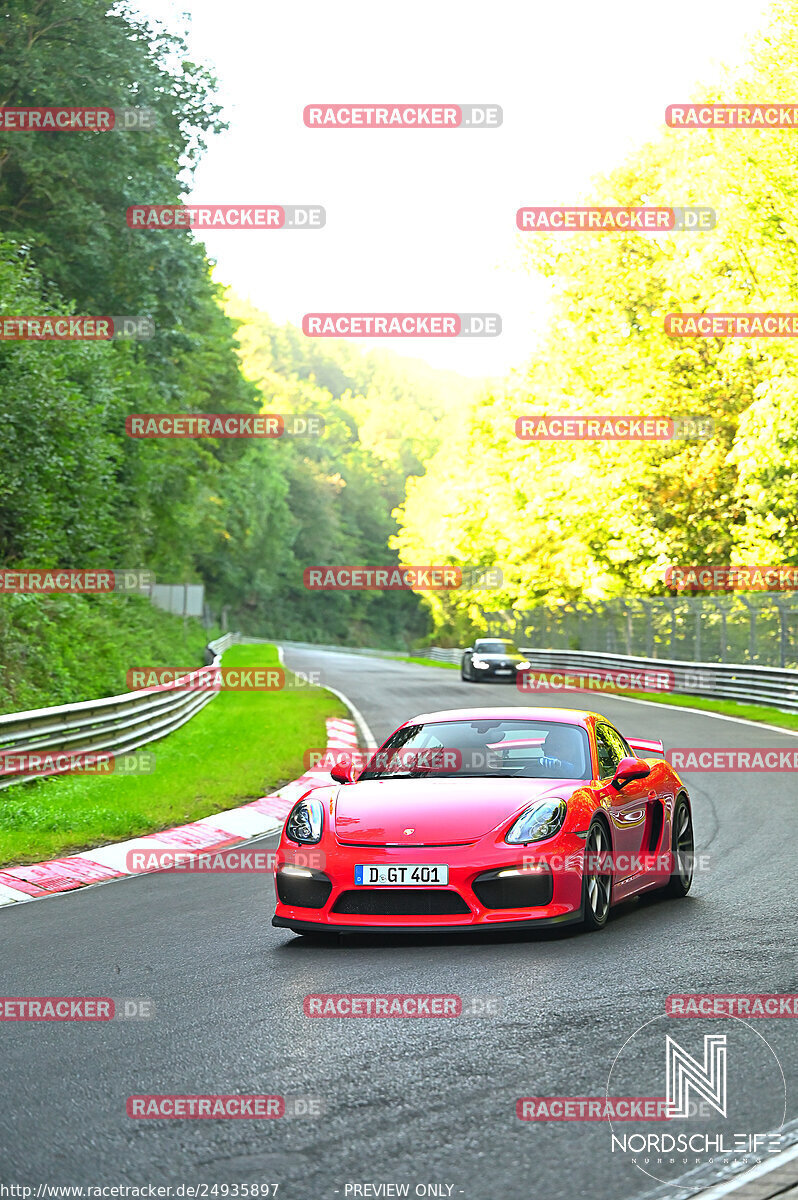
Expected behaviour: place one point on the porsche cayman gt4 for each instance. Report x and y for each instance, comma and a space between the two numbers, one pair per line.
486, 818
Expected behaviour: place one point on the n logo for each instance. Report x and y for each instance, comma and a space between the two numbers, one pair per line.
684, 1074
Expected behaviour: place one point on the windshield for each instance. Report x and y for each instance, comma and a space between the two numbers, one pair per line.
508, 748
494, 647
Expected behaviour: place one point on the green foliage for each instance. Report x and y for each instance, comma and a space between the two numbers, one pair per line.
257, 739
337, 493
591, 520
63, 649
75, 490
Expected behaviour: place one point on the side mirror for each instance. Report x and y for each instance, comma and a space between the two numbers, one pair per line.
468, 649
343, 773
629, 769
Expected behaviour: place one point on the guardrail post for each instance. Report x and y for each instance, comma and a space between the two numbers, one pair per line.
672, 637
782, 611
649, 629
106, 726
609, 613
751, 628
729, 681
593, 637
721, 608
628, 624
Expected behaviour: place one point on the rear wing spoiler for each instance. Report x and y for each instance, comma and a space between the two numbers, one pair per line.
647, 747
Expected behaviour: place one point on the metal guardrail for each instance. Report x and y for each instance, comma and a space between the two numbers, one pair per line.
774, 686
758, 628
369, 651
438, 654
114, 724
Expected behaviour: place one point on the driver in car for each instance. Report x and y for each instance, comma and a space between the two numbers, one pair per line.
562, 752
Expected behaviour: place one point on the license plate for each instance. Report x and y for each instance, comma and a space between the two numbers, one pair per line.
503, 671
407, 874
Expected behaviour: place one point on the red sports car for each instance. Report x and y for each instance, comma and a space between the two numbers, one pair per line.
494, 818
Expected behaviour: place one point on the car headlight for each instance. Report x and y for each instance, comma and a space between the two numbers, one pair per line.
540, 821
480, 664
305, 821
523, 665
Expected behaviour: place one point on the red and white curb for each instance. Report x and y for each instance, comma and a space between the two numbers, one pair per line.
208, 833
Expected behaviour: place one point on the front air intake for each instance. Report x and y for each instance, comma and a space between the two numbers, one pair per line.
401, 902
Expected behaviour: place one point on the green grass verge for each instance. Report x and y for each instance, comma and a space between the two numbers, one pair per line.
65, 649
429, 662
239, 747
729, 708
748, 712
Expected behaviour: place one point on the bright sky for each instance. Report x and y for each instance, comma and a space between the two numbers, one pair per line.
424, 221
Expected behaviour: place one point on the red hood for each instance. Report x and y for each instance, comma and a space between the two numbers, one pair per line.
440, 812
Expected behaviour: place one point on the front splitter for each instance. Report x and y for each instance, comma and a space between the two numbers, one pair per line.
505, 926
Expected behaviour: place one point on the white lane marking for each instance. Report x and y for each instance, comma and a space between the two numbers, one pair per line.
274, 831
241, 822
701, 712
742, 1180
10, 895
115, 855
369, 739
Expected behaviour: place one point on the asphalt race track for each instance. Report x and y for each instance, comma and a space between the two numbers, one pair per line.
407, 1101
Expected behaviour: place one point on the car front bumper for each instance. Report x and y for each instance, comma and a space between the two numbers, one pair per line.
476, 896
496, 674
302, 926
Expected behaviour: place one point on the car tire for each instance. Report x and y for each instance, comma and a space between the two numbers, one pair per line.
596, 888
682, 843
463, 676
